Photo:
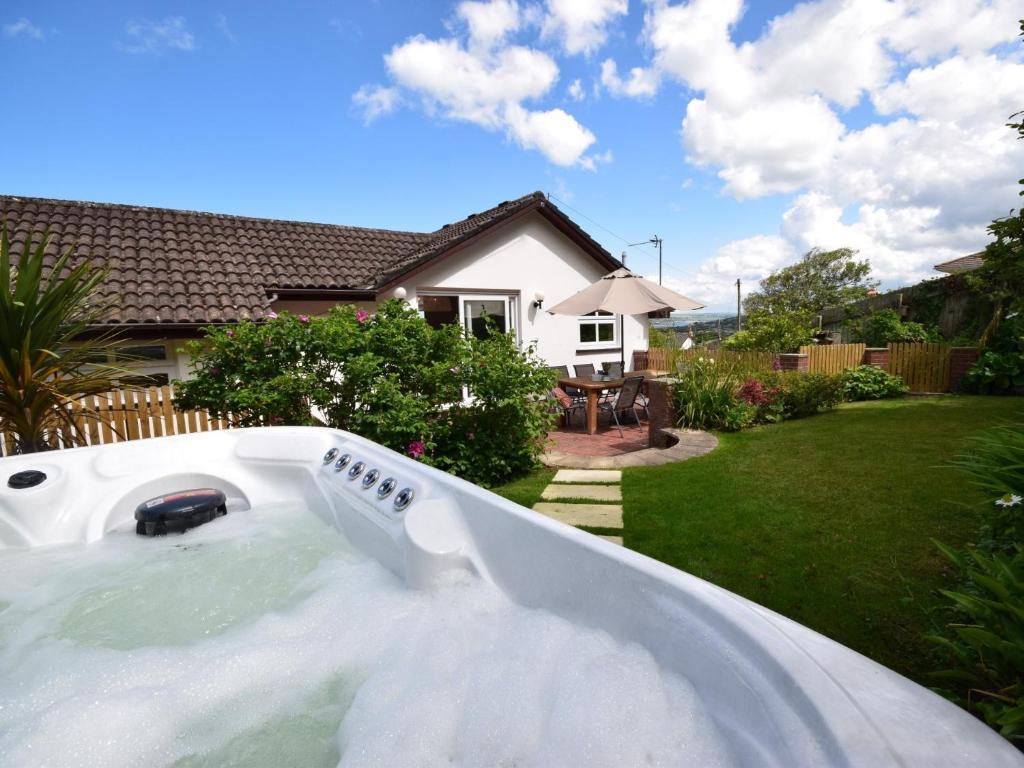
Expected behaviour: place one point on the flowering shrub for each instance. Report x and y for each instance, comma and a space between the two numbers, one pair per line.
389, 377
766, 401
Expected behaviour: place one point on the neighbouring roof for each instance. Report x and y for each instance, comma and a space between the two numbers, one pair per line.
171, 267
963, 264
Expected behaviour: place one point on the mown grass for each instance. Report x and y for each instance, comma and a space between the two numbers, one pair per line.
827, 520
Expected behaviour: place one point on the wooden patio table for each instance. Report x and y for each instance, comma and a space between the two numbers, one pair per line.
594, 389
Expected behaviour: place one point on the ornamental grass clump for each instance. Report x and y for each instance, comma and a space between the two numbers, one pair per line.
470, 406
705, 394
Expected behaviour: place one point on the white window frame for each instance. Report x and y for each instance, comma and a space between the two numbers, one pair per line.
596, 319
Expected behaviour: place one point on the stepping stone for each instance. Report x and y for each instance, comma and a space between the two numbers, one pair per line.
612, 539
592, 492
592, 515
588, 476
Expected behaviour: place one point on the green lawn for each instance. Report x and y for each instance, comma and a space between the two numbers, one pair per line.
826, 520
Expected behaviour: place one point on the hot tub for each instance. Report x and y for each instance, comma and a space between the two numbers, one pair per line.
355, 607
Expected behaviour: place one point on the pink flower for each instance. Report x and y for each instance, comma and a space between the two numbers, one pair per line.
416, 448
303, 318
271, 315
230, 334
471, 435
362, 316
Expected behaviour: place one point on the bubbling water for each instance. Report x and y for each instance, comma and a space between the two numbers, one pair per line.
262, 638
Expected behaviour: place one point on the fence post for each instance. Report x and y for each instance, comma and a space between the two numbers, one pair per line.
877, 356
793, 361
960, 361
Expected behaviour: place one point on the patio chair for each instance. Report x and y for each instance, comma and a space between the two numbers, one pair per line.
613, 369
562, 372
584, 370
625, 401
564, 404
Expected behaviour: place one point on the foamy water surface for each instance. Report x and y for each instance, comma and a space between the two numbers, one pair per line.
263, 639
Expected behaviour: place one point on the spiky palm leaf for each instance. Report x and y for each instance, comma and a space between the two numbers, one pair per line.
46, 364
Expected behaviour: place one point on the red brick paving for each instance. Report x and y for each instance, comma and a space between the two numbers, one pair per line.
606, 442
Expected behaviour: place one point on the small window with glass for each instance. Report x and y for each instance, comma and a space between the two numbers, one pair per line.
597, 328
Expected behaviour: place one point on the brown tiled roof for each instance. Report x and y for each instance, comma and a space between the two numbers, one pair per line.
186, 267
963, 264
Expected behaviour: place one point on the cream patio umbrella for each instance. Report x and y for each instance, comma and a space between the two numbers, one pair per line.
623, 293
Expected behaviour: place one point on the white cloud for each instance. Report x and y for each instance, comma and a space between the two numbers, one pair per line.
769, 117
554, 132
485, 80
375, 101
749, 259
489, 22
581, 25
642, 83
222, 25
23, 27
170, 34
576, 92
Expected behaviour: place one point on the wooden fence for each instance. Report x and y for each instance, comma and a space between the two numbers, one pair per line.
665, 359
126, 415
834, 358
925, 367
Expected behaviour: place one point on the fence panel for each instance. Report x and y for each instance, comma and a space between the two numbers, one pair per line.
833, 358
125, 415
923, 366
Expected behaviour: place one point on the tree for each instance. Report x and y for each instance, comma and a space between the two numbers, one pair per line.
821, 279
46, 365
1001, 276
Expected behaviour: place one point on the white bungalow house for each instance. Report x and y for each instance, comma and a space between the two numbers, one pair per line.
172, 272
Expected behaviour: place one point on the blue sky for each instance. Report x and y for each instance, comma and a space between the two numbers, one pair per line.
791, 140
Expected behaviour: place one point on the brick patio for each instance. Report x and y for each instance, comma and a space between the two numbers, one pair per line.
606, 442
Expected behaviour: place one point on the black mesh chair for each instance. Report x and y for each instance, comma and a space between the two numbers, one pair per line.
625, 401
584, 370
613, 369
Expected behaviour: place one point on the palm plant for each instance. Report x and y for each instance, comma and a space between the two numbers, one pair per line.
47, 365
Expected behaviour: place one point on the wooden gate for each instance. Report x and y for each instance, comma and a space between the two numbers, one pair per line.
923, 366
833, 358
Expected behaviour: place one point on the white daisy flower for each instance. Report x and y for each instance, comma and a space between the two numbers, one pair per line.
1009, 500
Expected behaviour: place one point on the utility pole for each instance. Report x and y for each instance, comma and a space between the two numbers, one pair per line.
653, 241
658, 241
739, 325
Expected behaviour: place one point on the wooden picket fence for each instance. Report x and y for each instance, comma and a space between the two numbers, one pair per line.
925, 367
833, 358
126, 415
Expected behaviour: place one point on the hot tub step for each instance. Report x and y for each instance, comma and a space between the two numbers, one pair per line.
590, 515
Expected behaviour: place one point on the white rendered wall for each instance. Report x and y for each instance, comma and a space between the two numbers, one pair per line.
528, 256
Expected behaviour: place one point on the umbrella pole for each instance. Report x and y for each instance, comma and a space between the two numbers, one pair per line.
622, 344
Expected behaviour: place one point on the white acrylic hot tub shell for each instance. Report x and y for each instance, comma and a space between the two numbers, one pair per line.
782, 694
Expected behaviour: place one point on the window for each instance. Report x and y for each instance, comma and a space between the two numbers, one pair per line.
148, 352
598, 328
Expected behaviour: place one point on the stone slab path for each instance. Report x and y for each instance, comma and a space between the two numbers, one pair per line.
596, 499
589, 492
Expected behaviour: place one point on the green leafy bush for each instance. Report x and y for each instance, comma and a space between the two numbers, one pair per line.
704, 394
390, 377
996, 372
772, 332
803, 394
986, 645
886, 327
867, 382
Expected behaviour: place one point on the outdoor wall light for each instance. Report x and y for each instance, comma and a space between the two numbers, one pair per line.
401, 293
538, 299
